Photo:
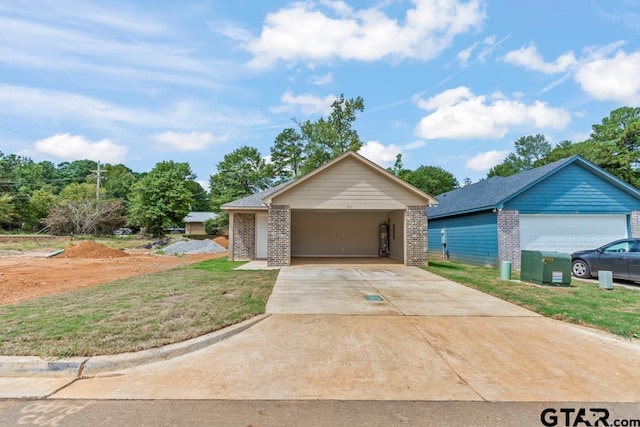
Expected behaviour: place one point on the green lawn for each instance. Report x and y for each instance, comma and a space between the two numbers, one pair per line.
137, 313
616, 311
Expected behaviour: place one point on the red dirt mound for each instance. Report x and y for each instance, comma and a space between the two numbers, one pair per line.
92, 250
222, 241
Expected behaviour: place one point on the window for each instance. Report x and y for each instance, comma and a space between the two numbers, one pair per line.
618, 247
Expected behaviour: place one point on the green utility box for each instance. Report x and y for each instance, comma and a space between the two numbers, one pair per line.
545, 268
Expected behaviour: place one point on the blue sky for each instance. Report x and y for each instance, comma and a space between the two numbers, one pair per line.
450, 83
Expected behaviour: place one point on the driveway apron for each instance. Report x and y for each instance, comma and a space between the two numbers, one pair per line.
388, 332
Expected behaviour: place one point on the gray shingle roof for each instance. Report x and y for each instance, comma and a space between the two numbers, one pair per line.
493, 191
199, 216
254, 200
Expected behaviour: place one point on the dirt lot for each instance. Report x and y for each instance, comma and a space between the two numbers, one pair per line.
30, 274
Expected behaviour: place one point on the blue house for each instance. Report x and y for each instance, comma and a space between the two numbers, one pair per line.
564, 206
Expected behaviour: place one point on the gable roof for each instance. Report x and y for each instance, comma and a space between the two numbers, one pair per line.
352, 155
494, 192
259, 200
199, 216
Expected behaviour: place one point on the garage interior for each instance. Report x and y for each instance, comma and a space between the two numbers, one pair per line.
346, 234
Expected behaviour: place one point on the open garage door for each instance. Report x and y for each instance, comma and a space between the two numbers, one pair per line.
570, 233
335, 233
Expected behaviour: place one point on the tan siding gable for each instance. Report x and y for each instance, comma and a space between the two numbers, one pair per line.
349, 184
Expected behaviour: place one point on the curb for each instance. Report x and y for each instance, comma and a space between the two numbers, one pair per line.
83, 367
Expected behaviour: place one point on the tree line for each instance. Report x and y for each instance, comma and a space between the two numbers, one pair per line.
83, 197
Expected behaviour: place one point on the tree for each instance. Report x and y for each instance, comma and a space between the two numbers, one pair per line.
529, 149
240, 173
162, 198
432, 180
200, 197
326, 139
287, 155
40, 204
619, 135
117, 181
85, 216
6, 210
398, 168
77, 191
466, 182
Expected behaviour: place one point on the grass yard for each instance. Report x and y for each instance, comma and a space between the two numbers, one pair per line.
616, 311
137, 313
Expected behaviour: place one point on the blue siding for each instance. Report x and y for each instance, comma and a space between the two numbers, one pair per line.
470, 238
574, 189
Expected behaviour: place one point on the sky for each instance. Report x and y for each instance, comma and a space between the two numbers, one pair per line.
448, 83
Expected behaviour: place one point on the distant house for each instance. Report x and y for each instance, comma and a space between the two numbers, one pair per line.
194, 222
564, 206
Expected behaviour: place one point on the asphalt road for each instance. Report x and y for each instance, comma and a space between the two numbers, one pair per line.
259, 413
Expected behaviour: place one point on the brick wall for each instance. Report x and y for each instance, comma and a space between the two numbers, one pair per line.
509, 238
279, 236
635, 224
416, 235
244, 236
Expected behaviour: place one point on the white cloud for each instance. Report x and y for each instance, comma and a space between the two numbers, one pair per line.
487, 160
321, 80
77, 147
464, 55
414, 145
306, 103
612, 79
322, 31
529, 58
458, 113
183, 141
379, 153
72, 108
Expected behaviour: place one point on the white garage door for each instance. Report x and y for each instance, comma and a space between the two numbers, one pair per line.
570, 233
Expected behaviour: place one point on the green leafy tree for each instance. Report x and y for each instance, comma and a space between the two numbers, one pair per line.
117, 180
161, 198
77, 171
398, 168
432, 180
7, 210
240, 173
200, 197
529, 149
287, 155
40, 204
80, 191
619, 137
327, 138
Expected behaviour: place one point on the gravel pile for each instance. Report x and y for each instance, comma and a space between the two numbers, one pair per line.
194, 247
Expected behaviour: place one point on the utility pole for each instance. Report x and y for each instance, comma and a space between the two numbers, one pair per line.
98, 179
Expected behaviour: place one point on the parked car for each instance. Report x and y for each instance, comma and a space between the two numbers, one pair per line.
621, 257
125, 231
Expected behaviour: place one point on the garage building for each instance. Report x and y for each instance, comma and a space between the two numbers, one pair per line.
564, 206
339, 210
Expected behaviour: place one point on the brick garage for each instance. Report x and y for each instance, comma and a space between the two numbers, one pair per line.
334, 211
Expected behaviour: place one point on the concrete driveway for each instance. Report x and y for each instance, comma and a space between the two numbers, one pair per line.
393, 290
428, 339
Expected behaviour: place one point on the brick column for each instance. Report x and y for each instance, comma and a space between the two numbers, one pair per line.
415, 235
509, 238
279, 236
244, 236
635, 224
